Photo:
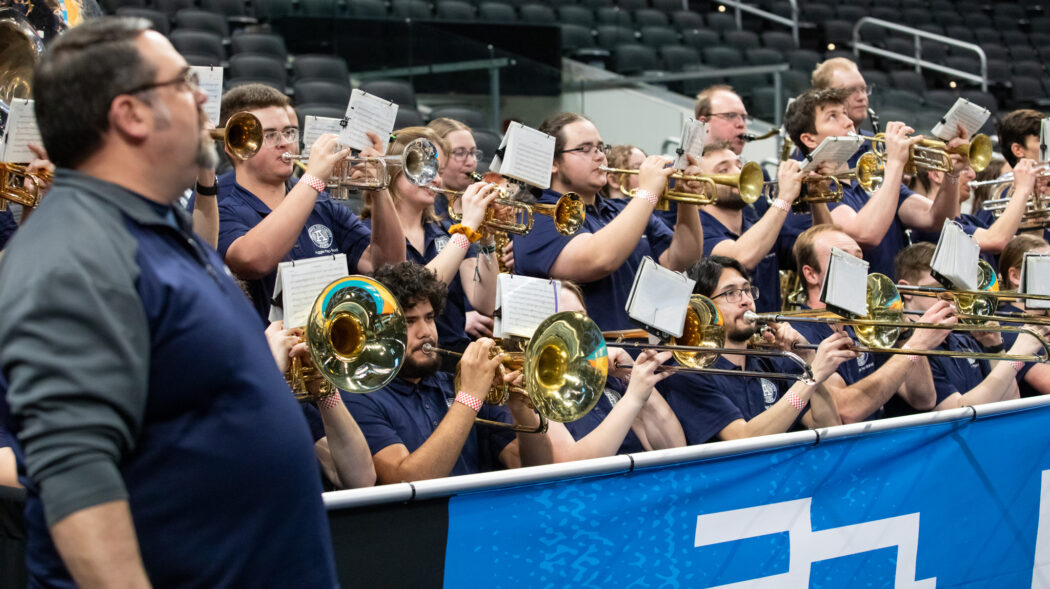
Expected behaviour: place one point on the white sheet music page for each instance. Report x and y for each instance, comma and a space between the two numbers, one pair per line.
840, 289
20, 132
210, 78
659, 298
527, 156
314, 127
963, 113
955, 257
300, 282
693, 134
1035, 279
367, 112
836, 150
524, 302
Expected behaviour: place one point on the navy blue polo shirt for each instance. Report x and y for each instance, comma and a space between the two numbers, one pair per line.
793, 226
957, 375
452, 321
535, 253
7, 226
852, 370
407, 413
614, 390
1009, 338
766, 275
880, 258
331, 228
706, 403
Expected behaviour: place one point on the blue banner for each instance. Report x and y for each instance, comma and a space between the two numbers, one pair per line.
945, 505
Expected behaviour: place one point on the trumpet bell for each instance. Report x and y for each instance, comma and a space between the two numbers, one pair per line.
569, 213
566, 364
420, 162
980, 152
356, 334
242, 135
750, 183
704, 328
869, 172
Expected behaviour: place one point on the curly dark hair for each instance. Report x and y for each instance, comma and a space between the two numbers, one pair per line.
708, 271
412, 284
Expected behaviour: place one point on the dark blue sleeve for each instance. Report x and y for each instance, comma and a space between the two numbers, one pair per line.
941, 368
313, 419
659, 236
352, 236
701, 408
535, 253
7, 227
234, 221
373, 421
5, 440
492, 440
714, 232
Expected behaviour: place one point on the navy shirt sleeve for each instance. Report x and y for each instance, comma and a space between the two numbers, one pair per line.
701, 407
659, 236
375, 424
352, 236
235, 220
535, 253
7, 227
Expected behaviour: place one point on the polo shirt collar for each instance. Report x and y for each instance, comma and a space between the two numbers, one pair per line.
407, 388
132, 204
247, 197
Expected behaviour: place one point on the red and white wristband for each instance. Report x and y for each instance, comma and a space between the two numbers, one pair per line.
1017, 365
651, 197
795, 401
781, 204
460, 240
469, 400
330, 401
313, 182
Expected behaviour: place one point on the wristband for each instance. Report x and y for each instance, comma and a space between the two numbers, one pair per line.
1017, 365
467, 232
207, 190
913, 358
795, 401
313, 182
487, 249
781, 204
649, 197
461, 241
469, 400
329, 401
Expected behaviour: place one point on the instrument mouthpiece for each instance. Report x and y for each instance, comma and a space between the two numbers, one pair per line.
751, 316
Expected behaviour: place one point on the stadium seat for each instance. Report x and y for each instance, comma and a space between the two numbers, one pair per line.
650, 18
408, 117
318, 110
676, 57
488, 142
261, 44
631, 5
700, 39
321, 92
575, 37
260, 69
657, 37
575, 15
782, 42
231, 9
419, 9
320, 67
612, 15
331, 8
537, 14
161, 22
803, 60
199, 43
363, 8
398, 91
686, 19
470, 117
192, 19
740, 40
634, 59
721, 21
609, 36
723, 57
171, 7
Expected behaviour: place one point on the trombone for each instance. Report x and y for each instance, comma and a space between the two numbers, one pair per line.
13, 181
980, 305
933, 155
419, 161
242, 136
565, 365
880, 329
703, 341
356, 335
568, 213
748, 182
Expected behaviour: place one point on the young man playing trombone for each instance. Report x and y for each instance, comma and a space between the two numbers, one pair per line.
263, 223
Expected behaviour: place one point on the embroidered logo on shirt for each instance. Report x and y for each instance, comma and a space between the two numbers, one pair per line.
769, 392
864, 360
613, 396
321, 235
440, 242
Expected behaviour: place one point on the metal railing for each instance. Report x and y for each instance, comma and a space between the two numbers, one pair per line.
917, 60
740, 7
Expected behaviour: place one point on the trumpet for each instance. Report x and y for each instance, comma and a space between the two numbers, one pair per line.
419, 162
356, 335
703, 341
565, 364
1037, 208
933, 155
748, 182
1042, 170
884, 323
818, 188
13, 181
568, 213
242, 136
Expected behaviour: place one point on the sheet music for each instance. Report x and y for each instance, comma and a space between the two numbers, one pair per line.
659, 298
367, 112
300, 282
524, 303
1035, 279
21, 130
965, 113
837, 150
211, 84
694, 133
314, 127
839, 290
528, 156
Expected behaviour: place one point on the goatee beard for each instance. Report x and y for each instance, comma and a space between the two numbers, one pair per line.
413, 369
740, 336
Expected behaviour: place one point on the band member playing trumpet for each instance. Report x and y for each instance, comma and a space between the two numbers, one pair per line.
627, 157
262, 223
876, 222
419, 427
604, 256
725, 115
716, 407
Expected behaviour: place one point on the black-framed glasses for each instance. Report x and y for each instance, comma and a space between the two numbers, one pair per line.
588, 149
187, 78
732, 116
290, 135
462, 153
735, 295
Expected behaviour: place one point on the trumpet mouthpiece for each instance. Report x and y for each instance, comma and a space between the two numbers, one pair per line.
287, 156
427, 348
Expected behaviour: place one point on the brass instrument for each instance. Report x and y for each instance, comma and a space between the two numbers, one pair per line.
13, 181
748, 182
880, 329
791, 284
242, 136
1037, 208
703, 341
565, 365
568, 213
819, 188
419, 162
981, 304
19, 49
749, 137
356, 335
933, 155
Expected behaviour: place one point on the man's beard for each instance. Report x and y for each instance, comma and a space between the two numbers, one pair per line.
729, 199
414, 369
741, 336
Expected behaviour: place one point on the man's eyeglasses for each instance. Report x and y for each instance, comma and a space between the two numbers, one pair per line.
290, 135
735, 295
462, 153
731, 116
188, 79
859, 89
588, 149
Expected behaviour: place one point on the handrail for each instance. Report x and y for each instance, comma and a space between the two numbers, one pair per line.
792, 22
917, 60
